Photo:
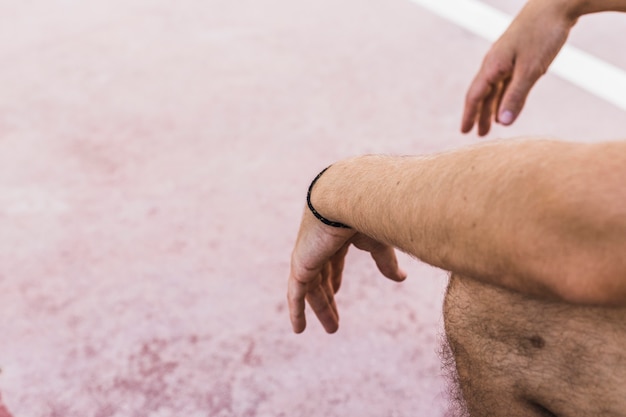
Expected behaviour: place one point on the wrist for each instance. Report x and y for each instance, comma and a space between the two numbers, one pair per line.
321, 196
337, 194
567, 11
577, 8
314, 211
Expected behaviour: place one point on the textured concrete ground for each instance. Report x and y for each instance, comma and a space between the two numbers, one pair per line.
154, 157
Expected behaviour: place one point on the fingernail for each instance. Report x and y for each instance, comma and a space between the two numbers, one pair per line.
506, 117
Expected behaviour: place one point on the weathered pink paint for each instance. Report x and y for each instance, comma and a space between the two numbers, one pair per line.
4, 412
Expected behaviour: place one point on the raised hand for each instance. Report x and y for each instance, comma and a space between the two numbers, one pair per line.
317, 267
514, 64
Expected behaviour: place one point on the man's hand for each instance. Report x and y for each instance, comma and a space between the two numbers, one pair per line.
317, 266
515, 62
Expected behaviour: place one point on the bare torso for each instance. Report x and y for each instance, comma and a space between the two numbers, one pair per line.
517, 356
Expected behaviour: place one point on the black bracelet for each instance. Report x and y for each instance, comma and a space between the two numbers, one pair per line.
315, 213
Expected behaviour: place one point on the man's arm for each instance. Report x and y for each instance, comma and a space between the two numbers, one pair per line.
521, 56
582, 7
541, 217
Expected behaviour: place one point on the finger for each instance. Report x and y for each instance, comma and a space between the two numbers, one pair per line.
486, 111
387, 263
320, 305
337, 263
327, 286
330, 294
296, 292
515, 95
504, 85
473, 100
496, 68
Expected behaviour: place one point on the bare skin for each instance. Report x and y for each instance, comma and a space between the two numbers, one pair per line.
516, 355
540, 226
520, 356
520, 57
544, 218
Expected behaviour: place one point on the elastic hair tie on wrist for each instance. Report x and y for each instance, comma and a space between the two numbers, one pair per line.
315, 213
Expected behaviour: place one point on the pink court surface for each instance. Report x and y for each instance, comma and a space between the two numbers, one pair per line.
153, 167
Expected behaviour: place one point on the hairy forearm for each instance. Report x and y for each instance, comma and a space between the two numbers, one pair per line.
544, 217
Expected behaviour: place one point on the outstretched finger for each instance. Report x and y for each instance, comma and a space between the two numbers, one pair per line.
387, 262
487, 111
515, 94
336, 267
478, 90
296, 292
497, 67
320, 304
330, 294
327, 287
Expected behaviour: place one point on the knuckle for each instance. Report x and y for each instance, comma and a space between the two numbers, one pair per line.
302, 269
499, 71
496, 68
534, 73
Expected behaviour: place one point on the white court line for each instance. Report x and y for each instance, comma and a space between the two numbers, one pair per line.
572, 64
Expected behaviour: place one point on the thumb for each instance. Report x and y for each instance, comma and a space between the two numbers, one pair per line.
515, 94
